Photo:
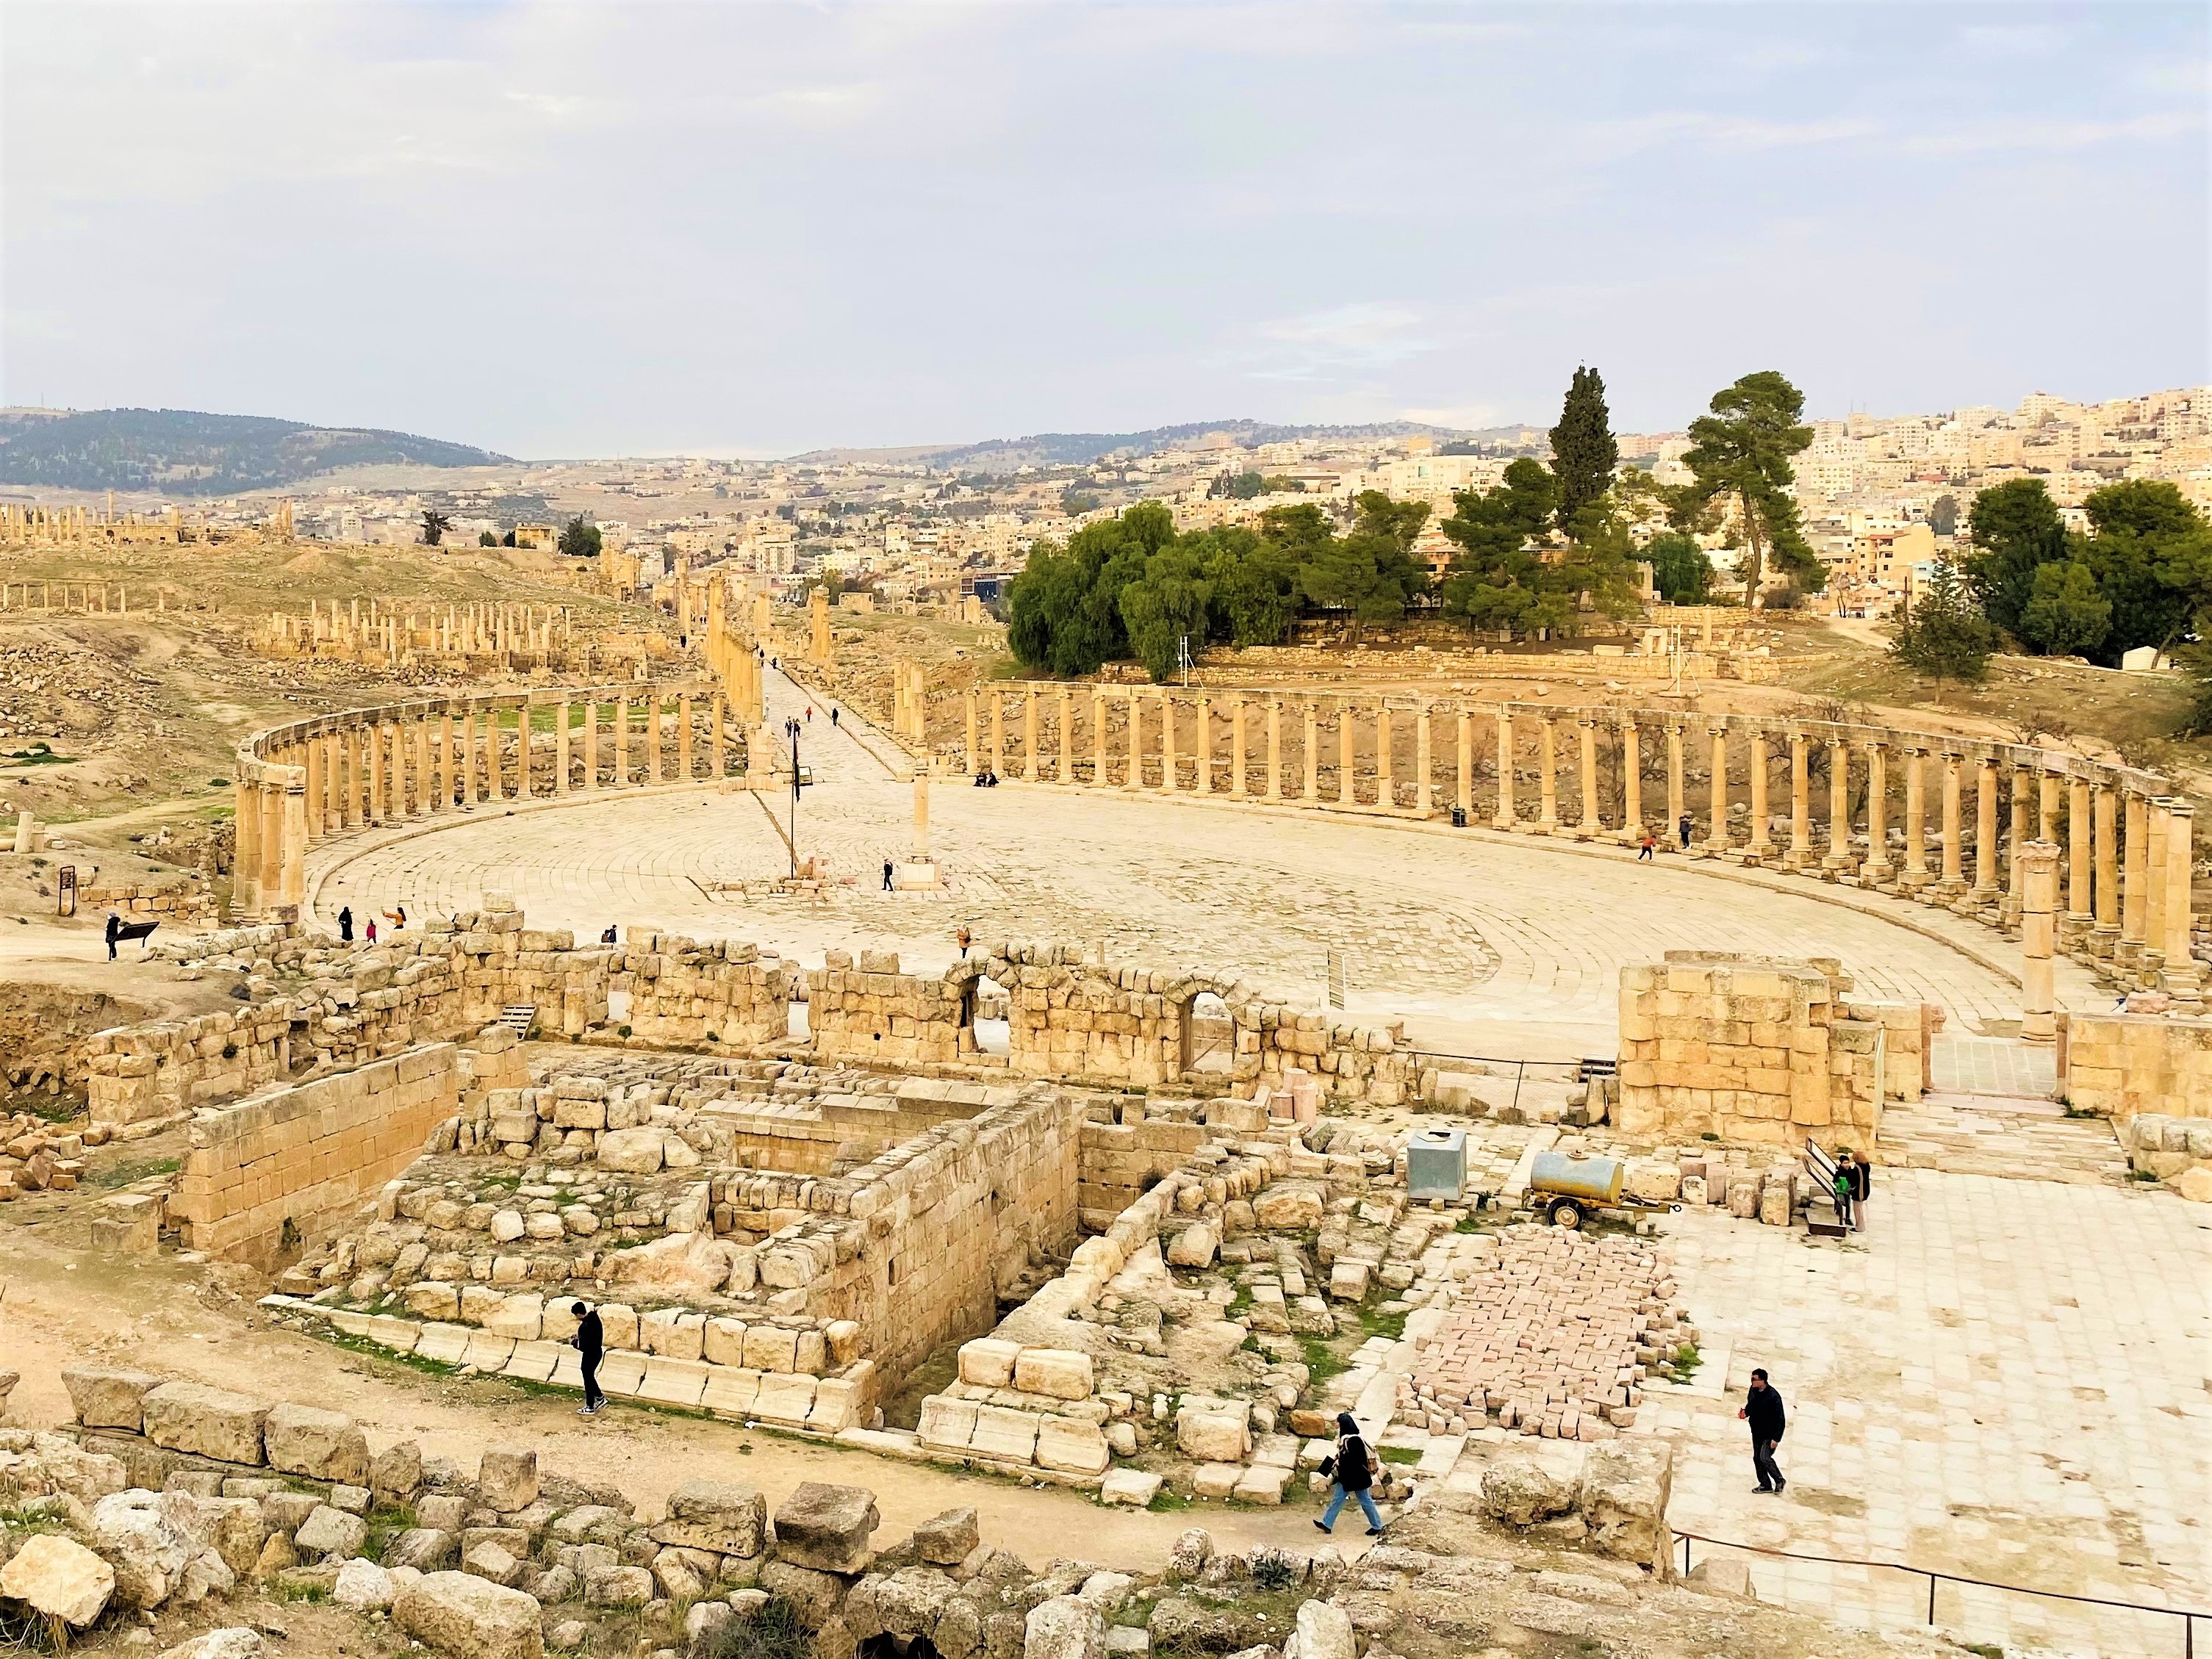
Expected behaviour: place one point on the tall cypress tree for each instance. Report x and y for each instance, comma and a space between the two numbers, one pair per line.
1583, 454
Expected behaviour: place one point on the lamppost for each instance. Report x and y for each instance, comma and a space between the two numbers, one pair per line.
791, 729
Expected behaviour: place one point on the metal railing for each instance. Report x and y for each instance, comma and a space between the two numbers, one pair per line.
1572, 1067
2187, 1615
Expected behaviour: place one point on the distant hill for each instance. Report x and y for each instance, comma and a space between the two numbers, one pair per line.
1081, 448
181, 452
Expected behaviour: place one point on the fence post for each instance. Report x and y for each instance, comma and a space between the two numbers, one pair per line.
1931, 1600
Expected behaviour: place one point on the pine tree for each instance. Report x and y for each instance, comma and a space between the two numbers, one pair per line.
1583, 452
1944, 634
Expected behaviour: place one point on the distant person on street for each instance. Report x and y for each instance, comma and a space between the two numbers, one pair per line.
608, 937
1683, 828
1352, 1472
887, 875
589, 1341
1847, 1187
346, 924
961, 939
809, 713
1862, 1184
114, 930
372, 930
1763, 1410
1649, 846
833, 717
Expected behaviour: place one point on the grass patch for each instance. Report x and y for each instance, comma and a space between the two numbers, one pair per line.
299, 1592
1400, 1455
123, 1171
385, 1524
1323, 1361
1687, 1361
39, 754
1168, 1501
1381, 1324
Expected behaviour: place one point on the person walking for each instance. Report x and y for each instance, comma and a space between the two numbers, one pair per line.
590, 1342
1683, 830
372, 930
345, 924
887, 875
1763, 1410
115, 931
833, 717
962, 939
1650, 843
1352, 1473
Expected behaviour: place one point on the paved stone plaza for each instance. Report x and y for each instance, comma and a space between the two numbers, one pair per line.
1488, 943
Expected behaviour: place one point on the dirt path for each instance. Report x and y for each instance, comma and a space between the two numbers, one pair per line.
60, 1306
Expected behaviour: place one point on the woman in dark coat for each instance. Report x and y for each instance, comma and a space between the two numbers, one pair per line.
1352, 1470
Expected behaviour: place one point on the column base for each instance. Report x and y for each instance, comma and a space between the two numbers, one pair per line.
2103, 941
1875, 873
2186, 985
1913, 883
1798, 858
1758, 851
1839, 862
2073, 929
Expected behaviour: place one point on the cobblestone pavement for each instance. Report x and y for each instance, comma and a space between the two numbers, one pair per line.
1488, 943
2001, 1379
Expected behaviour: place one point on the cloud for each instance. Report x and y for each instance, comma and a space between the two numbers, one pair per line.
1470, 417
2015, 39
1364, 335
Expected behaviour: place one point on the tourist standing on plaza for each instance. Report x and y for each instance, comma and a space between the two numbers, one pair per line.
372, 930
1683, 828
1352, 1472
887, 875
590, 1342
1862, 1184
114, 928
1763, 1410
346, 924
1847, 1187
833, 717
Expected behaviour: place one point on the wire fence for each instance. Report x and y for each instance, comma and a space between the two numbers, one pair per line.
1556, 1071
2187, 1615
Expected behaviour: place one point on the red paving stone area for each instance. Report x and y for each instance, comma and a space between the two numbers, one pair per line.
1550, 1339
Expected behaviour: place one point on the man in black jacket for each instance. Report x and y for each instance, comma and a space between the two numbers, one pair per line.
590, 1342
1762, 1409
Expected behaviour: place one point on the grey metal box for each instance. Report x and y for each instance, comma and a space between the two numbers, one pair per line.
1435, 1164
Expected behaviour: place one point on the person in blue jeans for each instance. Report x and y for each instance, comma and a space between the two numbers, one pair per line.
1354, 1472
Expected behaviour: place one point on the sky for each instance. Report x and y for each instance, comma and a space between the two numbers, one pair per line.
617, 228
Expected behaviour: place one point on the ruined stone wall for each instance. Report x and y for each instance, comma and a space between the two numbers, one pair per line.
311, 1154
2120, 1065
1761, 1050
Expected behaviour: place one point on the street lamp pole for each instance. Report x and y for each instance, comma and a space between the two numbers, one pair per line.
792, 728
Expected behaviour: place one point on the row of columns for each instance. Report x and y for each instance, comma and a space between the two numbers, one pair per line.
2124, 863
311, 780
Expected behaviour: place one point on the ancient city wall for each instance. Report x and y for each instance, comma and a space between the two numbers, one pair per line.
308, 1155
1762, 1051
2119, 1065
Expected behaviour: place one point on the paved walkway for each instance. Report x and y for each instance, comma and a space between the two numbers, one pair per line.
2001, 1378
1489, 944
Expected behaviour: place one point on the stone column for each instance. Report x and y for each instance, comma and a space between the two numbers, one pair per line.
522, 714
1030, 735
1985, 832
1675, 787
2016, 891
2080, 892
1167, 744
2038, 1020
1203, 750
968, 707
1098, 767
313, 806
921, 813
293, 806
683, 737
1840, 857
1274, 789
622, 742
425, 775
334, 753
375, 730
1236, 761
1066, 711
1954, 880
2182, 979
271, 805
998, 733
1801, 806
1632, 782
2157, 886
1424, 764
591, 743
1136, 779
469, 767
2046, 828
1547, 819
1593, 817
2107, 933
1914, 876
560, 745
1346, 767
245, 850
1716, 833
398, 791
1761, 844
1876, 871
717, 715
1504, 818
1386, 785
2135, 889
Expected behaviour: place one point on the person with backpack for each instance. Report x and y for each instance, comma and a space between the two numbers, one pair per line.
1352, 1471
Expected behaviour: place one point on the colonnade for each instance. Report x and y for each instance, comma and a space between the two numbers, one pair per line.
299, 782
1945, 820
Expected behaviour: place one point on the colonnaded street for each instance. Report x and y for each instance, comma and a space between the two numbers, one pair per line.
1510, 945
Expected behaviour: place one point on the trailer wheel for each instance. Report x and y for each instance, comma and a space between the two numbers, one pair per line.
1567, 1213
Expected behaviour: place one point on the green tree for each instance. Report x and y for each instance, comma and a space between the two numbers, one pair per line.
2066, 616
2016, 530
1064, 610
579, 539
1238, 486
435, 526
1681, 572
485, 538
1498, 579
1739, 455
2152, 555
1255, 585
1943, 515
1944, 634
1076, 502
1583, 452
1165, 607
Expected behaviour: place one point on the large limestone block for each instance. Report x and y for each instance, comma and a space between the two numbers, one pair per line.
1324, 1632
1287, 1207
147, 1538
633, 1151
58, 1578
1625, 1489
826, 1527
948, 1539
1194, 1246
506, 1479
331, 1533
1064, 1627
323, 1445
1521, 1492
472, 1617
988, 1362
1005, 1433
191, 1417
1056, 1373
1214, 1431
1071, 1446
2196, 1185
724, 1516
105, 1398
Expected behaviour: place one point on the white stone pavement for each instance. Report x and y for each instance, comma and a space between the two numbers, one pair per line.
1488, 943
